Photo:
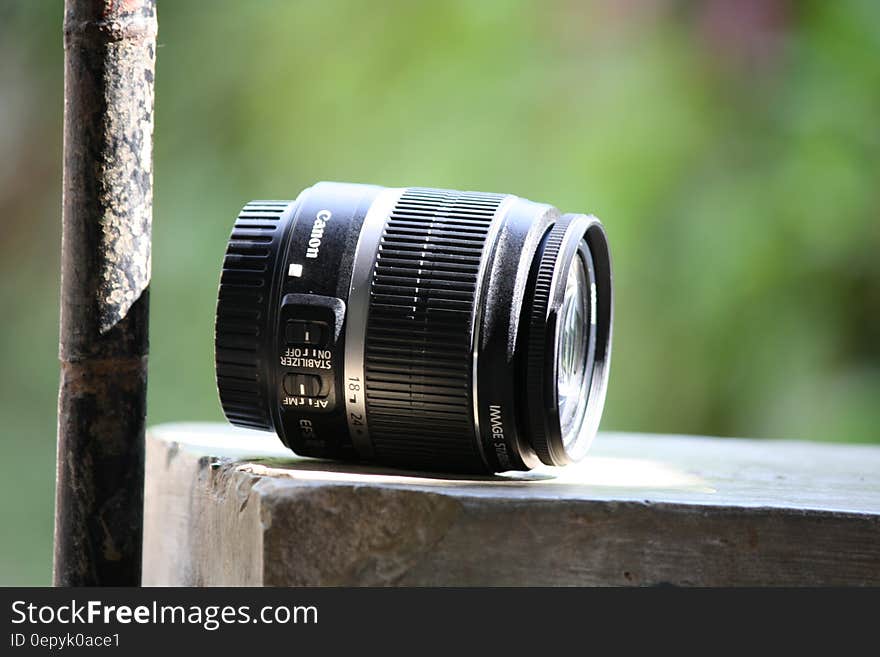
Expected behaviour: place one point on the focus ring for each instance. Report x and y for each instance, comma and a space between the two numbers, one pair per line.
240, 331
418, 347
537, 351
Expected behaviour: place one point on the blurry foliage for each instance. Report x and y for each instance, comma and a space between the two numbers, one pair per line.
731, 147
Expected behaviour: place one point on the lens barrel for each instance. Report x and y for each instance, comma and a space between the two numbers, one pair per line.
418, 328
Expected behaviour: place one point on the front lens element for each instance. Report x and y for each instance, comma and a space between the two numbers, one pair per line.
575, 346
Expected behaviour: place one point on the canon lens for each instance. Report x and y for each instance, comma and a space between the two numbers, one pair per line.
418, 328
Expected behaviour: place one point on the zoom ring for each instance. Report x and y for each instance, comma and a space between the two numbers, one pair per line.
536, 359
418, 351
240, 330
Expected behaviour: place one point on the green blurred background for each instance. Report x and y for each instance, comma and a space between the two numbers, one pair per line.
730, 146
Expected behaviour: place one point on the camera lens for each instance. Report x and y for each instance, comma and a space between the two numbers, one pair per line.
418, 328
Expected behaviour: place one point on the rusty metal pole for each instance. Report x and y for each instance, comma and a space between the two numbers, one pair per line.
110, 49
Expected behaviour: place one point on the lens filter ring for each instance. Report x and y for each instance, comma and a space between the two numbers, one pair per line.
545, 338
537, 332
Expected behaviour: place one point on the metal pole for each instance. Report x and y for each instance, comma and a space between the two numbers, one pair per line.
110, 48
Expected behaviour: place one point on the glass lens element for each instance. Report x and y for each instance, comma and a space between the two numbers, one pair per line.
575, 348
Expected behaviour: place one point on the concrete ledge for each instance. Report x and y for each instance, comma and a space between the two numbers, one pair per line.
226, 506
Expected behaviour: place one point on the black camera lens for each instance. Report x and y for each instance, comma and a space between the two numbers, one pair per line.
419, 328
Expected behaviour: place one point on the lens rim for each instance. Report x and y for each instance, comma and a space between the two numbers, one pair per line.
561, 244
502, 332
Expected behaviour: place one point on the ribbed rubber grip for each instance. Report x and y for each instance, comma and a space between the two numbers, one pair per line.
240, 330
418, 350
536, 358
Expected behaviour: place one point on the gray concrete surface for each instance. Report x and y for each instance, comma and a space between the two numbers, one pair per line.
227, 506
